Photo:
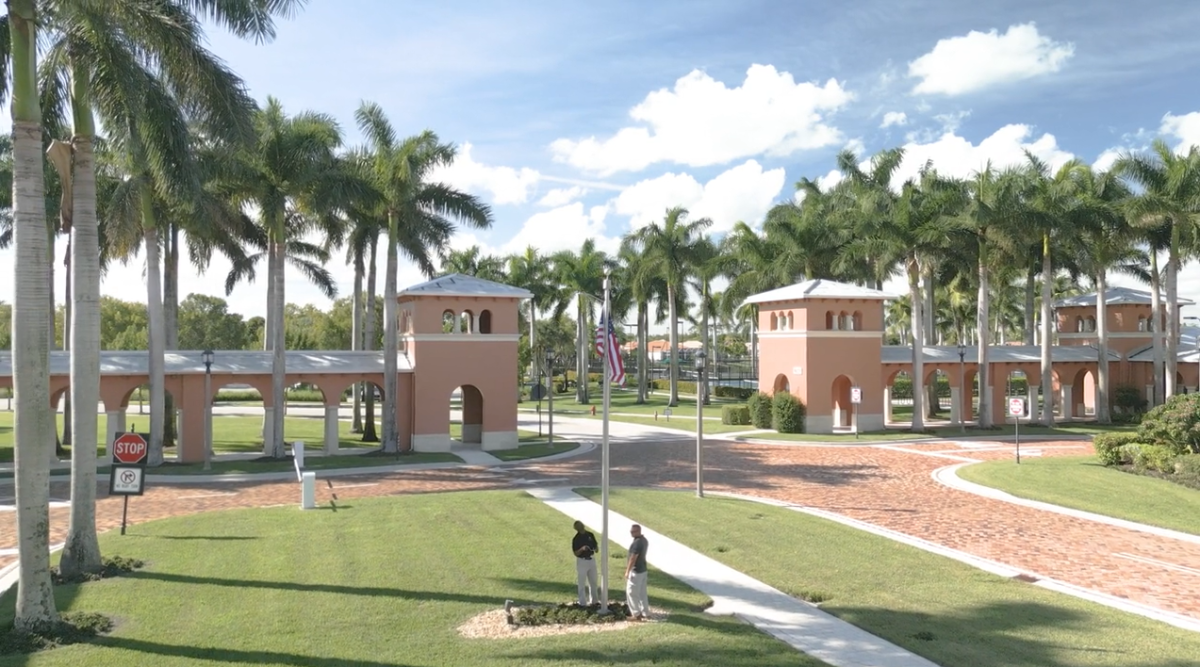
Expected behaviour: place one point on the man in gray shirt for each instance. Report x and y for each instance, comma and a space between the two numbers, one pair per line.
636, 596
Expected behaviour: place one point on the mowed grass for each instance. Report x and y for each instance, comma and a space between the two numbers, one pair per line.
351, 589
1081, 482
900, 593
625, 400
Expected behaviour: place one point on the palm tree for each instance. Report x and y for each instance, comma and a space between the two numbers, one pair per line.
420, 218
472, 262
1107, 246
531, 271
31, 313
674, 247
710, 264
582, 279
644, 286
1052, 199
1169, 198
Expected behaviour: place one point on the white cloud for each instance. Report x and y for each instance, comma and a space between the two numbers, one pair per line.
1106, 159
856, 146
561, 196
701, 122
1186, 128
743, 193
826, 183
894, 118
505, 185
978, 60
953, 155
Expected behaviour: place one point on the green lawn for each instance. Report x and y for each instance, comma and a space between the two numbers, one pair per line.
533, 451
1082, 483
899, 592
625, 400
322, 588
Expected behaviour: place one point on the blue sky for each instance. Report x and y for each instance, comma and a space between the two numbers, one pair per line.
587, 119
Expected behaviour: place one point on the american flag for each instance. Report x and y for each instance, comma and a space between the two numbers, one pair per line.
616, 366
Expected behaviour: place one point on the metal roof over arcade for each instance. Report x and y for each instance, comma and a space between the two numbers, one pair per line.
997, 354
819, 289
459, 285
226, 362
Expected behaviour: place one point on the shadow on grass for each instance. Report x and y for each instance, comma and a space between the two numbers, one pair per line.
211, 655
318, 588
1001, 634
215, 538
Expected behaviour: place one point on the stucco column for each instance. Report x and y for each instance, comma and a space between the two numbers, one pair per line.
887, 405
955, 405
268, 431
331, 430
1069, 410
1032, 405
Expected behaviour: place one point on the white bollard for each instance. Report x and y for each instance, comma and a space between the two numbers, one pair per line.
308, 491
298, 453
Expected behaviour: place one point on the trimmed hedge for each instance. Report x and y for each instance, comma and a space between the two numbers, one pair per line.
759, 405
1158, 458
1108, 447
787, 413
740, 393
735, 415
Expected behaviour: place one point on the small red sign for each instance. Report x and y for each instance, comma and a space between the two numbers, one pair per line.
130, 448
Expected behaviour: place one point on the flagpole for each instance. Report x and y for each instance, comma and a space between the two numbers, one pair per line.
607, 384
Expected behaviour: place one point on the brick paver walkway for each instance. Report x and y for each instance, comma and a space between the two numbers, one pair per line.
889, 486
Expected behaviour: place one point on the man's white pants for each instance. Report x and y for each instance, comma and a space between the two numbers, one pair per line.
585, 579
635, 594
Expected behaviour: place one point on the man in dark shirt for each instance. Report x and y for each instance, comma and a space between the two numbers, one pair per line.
583, 545
636, 597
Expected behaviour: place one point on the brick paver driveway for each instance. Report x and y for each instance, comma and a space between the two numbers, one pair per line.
888, 486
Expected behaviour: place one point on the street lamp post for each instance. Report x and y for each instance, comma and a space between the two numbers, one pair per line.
207, 355
700, 424
550, 407
962, 354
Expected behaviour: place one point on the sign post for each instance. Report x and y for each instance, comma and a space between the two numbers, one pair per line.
127, 476
855, 400
1016, 408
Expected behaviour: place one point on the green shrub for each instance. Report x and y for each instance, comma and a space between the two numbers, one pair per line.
740, 393
1108, 447
1155, 457
1128, 403
787, 413
1174, 424
759, 405
735, 415
1188, 464
1129, 452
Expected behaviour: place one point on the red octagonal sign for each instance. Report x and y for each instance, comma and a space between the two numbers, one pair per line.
130, 448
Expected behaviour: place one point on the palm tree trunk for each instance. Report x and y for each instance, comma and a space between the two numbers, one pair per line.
983, 372
581, 351
533, 356
52, 331
643, 356
1172, 342
1030, 289
933, 407
171, 322
1156, 319
356, 336
33, 426
674, 365
269, 333
81, 553
390, 345
1047, 335
918, 345
66, 343
278, 345
158, 333
1102, 349
369, 434
703, 388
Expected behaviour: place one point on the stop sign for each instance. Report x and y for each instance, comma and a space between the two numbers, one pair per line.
130, 448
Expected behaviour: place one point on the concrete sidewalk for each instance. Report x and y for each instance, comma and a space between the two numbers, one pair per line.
803, 626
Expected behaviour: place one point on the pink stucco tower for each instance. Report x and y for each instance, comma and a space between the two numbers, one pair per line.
819, 339
461, 335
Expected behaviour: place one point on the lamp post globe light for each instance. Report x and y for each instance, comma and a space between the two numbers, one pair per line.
700, 387
962, 355
207, 357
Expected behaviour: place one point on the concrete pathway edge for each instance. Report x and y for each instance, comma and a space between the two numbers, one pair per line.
801, 625
992, 567
948, 476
